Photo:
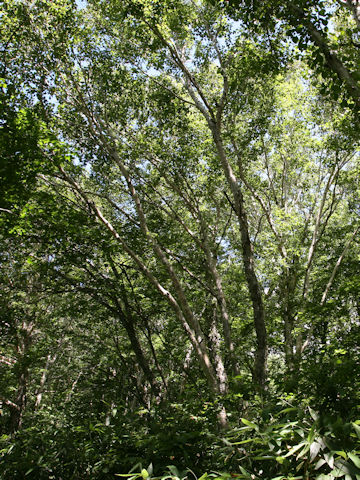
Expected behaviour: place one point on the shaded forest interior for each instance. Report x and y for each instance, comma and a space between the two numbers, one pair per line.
179, 225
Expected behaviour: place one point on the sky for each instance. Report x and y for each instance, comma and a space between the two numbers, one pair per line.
81, 3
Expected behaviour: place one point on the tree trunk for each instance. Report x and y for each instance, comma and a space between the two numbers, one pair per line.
259, 373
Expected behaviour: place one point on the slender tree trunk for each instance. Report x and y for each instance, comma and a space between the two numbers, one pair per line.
287, 293
259, 374
215, 342
179, 305
140, 357
288, 340
221, 300
49, 361
16, 414
23, 346
20, 401
214, 122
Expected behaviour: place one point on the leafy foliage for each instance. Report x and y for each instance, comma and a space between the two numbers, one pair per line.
180, 240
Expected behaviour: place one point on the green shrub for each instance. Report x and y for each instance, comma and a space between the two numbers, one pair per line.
297, 444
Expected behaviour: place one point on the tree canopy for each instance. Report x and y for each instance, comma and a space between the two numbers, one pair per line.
180, 238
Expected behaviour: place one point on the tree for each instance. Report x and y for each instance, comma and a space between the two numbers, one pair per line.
189, 216
325, 31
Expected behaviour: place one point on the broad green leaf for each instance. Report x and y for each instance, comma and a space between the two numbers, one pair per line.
314, 415
315, 448
355, 459
356, 428
342, 454
144, 474
329, 458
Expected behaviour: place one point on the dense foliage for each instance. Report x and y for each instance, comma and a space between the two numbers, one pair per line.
179, 239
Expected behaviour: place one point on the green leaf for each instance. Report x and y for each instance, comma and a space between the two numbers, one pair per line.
249, 424
248, 440
319, 463
287, 410
356, 428
244, 472
313, 414
303, 451
342, 454
263, 457
355, 459
144, 474
295, 449
203, 477
174, 471
130, 476
311, 434
329, 458
315, 448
